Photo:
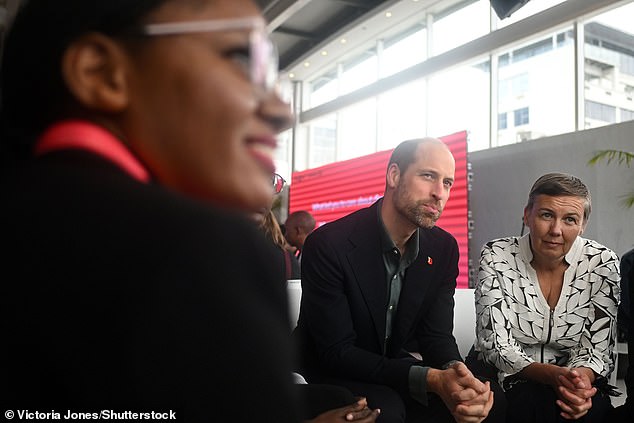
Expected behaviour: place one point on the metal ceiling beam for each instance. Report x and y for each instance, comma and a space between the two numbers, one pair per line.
359, 4
279, 11
297, 33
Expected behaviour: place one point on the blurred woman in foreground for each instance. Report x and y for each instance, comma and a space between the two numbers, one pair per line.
136, 136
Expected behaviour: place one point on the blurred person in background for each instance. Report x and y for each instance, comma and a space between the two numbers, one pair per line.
297, 227
272, 230
624, 412
268, 223
624, 314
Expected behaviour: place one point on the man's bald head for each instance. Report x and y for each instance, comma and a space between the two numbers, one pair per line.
405, 153
298, 225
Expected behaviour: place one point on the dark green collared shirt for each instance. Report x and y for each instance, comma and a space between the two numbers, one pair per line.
395, 267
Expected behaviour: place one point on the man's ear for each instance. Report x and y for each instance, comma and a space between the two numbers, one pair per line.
393, 176
94, 69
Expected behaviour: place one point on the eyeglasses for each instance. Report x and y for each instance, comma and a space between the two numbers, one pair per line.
263, 59
278, 183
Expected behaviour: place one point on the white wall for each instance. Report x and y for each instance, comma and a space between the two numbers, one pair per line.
503, 176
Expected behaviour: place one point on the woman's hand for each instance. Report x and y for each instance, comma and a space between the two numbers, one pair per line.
357, 412
573, 386
575, 393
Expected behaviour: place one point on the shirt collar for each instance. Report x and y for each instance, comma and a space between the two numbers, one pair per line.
84, 135
387, 245
571, 257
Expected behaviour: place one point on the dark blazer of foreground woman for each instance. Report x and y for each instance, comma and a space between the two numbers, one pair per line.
120, 295
341, 326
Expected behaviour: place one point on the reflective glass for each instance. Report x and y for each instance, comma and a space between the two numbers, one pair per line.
536, 89
609, 67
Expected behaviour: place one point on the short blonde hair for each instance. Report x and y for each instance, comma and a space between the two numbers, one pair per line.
561, 184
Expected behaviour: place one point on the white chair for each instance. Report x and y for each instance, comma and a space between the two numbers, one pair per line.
294, 289
464, 313
464, 319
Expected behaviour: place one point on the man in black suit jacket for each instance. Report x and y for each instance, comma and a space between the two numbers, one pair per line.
379, 284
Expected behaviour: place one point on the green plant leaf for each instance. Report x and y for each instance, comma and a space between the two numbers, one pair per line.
619, 156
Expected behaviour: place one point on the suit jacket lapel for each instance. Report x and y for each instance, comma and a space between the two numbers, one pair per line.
418, 278
366, 261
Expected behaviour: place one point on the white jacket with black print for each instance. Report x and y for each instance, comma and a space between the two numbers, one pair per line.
515, 325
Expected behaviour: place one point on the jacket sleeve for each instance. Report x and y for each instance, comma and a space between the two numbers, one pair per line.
598, 339
494, 338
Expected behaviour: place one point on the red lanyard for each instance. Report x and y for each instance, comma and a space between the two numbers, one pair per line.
83, 135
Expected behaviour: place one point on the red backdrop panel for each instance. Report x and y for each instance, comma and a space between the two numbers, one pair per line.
337, 189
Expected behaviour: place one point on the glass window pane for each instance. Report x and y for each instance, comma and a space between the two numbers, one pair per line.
532, 93
609, 67
357, 130
404, 51
282, 157
401, 114
359, 73
461, 26
459, 101
502, 120
323, 141
324, 89
521, 116
601, 112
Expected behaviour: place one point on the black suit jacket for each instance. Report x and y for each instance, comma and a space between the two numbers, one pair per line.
119, 295
341, 325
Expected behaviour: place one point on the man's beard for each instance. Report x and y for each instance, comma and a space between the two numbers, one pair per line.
414, 210
421, 218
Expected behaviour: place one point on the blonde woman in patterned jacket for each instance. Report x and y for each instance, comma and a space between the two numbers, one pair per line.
546, 307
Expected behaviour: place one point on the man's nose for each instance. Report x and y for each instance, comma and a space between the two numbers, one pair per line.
438, 190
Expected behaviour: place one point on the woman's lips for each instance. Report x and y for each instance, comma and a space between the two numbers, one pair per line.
262, 150
552, 243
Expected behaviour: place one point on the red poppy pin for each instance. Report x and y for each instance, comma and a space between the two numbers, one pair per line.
429, 261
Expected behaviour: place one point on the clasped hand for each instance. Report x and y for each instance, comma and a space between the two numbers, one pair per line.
575, 391
468, 399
